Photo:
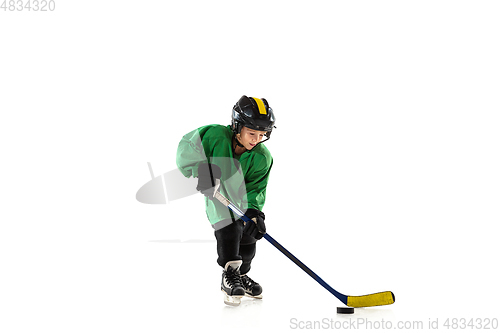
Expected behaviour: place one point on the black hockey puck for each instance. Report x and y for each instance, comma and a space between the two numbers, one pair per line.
345, 310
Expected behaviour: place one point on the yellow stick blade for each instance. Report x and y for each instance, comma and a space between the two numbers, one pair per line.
383, 298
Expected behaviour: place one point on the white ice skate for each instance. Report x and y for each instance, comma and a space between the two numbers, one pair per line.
231, 285
252, 288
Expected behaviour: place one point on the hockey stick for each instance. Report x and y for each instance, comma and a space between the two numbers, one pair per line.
382, 298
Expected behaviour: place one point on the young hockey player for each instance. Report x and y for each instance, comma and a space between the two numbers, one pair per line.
235, 156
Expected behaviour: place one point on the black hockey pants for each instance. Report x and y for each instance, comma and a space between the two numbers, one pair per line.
232, 244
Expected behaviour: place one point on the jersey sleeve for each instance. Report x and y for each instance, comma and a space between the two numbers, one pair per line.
256, 180
190, 153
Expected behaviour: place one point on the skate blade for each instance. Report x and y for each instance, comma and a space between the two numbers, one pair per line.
231, 300
252, 296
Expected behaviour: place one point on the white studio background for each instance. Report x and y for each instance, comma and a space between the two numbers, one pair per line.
386, 159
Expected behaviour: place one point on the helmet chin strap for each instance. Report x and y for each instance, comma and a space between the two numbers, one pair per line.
238, 142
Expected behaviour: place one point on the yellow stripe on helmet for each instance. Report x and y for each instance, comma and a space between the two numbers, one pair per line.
260, 104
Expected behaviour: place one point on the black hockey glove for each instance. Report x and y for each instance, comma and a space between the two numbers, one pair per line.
255, 228
207, 174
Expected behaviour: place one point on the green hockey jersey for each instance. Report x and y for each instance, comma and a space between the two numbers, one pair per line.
244, 177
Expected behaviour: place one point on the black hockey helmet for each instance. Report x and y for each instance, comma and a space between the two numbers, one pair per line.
253, 113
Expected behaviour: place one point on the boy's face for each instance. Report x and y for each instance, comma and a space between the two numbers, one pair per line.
249, 137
